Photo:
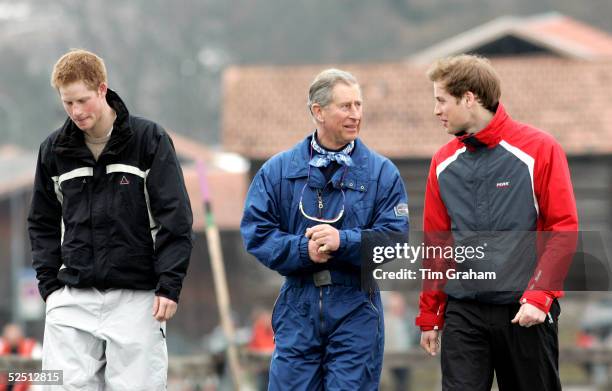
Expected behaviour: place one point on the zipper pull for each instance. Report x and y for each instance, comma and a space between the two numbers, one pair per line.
320, 200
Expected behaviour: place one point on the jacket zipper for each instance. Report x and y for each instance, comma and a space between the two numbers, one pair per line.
321, 321
320, 202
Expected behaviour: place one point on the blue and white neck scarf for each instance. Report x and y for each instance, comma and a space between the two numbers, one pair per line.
324, 157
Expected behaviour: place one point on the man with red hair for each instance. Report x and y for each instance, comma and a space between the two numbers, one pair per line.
110, 228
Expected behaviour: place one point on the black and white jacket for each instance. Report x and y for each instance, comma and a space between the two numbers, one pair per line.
123, 221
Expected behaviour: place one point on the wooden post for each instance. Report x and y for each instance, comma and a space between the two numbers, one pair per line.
219, 278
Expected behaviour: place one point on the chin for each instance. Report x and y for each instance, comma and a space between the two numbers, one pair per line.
86, 126
350, 139
352, 134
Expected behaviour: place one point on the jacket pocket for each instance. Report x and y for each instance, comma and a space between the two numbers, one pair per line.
359, 215
129, 198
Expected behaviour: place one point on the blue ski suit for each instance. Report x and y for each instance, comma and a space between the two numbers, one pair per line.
328, 336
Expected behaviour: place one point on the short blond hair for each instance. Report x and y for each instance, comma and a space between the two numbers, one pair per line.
79, 65
463, 73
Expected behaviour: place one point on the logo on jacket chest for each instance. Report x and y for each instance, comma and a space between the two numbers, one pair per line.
502, 185
124, 181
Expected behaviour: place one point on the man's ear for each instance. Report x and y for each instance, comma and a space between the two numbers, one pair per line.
102, 89
470, 99
317, 112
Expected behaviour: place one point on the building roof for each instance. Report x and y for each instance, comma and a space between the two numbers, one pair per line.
264, 108
553, 32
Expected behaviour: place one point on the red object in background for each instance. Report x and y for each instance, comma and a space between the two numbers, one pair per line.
262, 339
24, 349
584, 340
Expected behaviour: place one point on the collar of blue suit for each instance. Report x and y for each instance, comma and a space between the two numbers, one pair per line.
324, 157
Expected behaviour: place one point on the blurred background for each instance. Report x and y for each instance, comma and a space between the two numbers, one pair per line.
229, 81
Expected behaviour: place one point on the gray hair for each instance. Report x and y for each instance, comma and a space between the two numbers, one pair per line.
320, 91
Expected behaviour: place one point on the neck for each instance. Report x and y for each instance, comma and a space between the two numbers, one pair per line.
329, 144
482, 119
105, 124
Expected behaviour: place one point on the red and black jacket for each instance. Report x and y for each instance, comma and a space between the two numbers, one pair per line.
509, 178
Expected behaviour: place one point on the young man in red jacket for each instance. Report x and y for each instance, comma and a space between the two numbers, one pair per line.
501, 182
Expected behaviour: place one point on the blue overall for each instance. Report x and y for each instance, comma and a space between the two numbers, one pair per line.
328, 336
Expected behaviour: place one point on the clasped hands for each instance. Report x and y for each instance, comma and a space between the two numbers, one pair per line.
323, 239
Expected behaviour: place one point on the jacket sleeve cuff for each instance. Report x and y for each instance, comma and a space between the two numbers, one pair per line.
48, 286
429, 322
429, 328
343, 239
303, 248
539, 299
348, 239
169, 293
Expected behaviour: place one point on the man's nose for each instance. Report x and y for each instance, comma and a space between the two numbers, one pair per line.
437, 110
76, 110
355, 112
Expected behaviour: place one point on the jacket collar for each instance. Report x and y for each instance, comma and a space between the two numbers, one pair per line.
354, 177
71, 140
491, 135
